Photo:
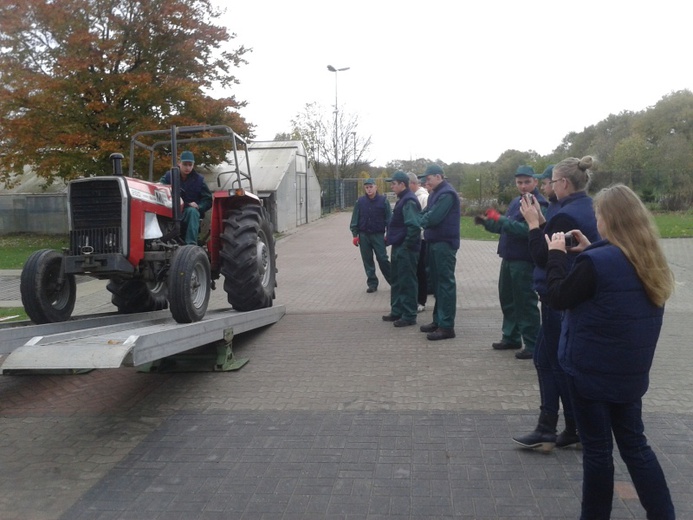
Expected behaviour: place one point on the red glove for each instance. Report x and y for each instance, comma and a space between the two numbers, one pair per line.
492, 214
356, 241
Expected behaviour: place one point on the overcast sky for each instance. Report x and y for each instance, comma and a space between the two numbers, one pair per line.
458, 80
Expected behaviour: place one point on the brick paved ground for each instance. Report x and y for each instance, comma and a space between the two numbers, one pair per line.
338, 415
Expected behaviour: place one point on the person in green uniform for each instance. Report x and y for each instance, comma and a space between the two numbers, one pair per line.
518, 300
441, 223
404, 235
369, 219
197, 198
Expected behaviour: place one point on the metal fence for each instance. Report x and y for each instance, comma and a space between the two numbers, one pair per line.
341, 194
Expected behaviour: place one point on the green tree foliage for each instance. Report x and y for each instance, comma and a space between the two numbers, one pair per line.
79, 77
650, 150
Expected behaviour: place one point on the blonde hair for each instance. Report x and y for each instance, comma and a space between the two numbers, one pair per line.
577, 171
630, 226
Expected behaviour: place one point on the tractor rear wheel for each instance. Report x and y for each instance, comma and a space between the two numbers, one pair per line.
248, 261
189, 284
48, 295
132, 296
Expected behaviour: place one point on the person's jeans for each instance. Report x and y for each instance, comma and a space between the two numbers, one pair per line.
553, 385
596, 420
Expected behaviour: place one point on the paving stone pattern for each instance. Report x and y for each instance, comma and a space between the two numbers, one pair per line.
338, 415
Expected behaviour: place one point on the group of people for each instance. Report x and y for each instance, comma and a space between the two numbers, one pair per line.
588, 310
421, 262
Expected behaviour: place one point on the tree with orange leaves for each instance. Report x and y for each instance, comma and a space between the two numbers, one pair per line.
79, 77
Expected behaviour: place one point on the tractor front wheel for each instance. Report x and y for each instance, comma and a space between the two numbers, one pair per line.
189, 284
48, 295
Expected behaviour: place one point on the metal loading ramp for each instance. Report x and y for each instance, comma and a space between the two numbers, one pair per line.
131, 343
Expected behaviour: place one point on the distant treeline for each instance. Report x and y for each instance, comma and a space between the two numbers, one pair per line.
651, 151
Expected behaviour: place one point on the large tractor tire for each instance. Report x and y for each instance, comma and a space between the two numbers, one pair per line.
132, 296
248, 261
48, 295
189, 284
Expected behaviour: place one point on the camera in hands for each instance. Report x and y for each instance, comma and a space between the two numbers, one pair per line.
570, 240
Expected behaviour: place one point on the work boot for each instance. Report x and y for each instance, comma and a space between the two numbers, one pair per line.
440, 333
390, 317
503, 345
429, 327
371, 289
543, 436
569, 436
404, 323
524, 354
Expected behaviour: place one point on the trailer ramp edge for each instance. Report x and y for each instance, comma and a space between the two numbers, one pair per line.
145, 343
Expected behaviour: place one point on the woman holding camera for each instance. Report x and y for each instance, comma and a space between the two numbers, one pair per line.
614, 297
570, 208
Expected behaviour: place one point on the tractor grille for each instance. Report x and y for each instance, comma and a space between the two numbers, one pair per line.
96, 211
94, 241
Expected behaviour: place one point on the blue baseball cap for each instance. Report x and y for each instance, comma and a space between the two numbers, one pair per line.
187, 157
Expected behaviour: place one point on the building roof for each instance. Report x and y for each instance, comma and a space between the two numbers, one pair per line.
269, 162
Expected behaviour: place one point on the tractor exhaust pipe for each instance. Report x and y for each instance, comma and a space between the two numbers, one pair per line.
117, 161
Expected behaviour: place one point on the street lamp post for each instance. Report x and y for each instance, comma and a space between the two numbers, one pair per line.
479, 181
336, 139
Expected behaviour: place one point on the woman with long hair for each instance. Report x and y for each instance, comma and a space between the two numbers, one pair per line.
613, 297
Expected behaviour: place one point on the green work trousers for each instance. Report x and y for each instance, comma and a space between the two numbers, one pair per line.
442, 258
519, 303
191, 223
403, 282
374, 244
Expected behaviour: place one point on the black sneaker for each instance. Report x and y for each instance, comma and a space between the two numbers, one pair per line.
502, 345
371, 289
440, 333
428, 328
404, 323
524, 354
390, 317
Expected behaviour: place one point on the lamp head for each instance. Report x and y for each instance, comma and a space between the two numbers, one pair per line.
331, 68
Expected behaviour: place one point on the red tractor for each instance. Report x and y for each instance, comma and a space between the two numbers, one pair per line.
128, 231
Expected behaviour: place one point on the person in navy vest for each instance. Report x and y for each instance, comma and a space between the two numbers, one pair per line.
404, 235
197, 198
441, 223
369, 219
613, 297
519, 302
570, 208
